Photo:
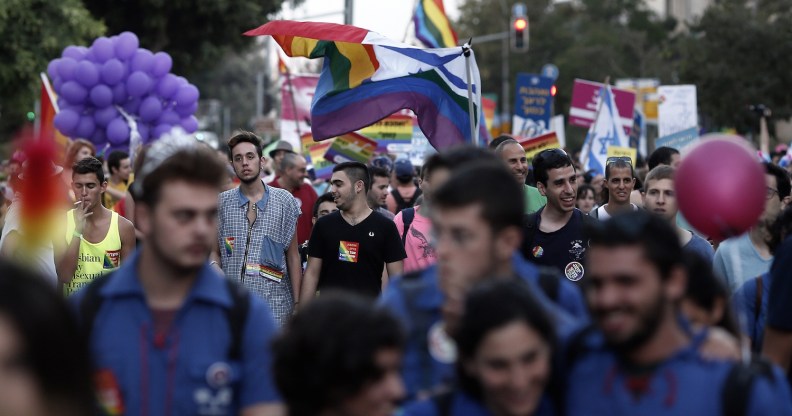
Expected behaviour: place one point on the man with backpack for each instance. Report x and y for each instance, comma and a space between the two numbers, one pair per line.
405, 192
168, 334
641, 357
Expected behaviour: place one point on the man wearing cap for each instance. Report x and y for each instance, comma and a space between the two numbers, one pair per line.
513, 154
282, 147
406, 192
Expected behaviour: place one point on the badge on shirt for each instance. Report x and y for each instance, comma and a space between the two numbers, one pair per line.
218, 375
537, 251
441, 346
270, 273
577, 249
574, 271
229, 245
108, 392
348, 251
252, 269
112, 258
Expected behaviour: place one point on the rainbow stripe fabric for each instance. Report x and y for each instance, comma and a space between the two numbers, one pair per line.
367, 77
432, 26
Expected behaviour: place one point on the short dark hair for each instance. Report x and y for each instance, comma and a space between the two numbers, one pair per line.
661, 156
431, 164
496, 142
489, 184
619, 164
582, 188
195, 165
378, 172
114, 159
356, 171
89, 165
704, 289
491, 305
659, 173
52, 346
782, 179
655, 235
326, 353
325, 197
244, 137
550, 159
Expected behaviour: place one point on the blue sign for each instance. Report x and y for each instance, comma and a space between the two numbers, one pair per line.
679, 140
533, 105
550, 71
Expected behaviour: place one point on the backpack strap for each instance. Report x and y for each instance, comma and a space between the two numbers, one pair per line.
550, 282
421, 322
737, 388
400, 203
91, 303
758, 301
408, 215
237, 317
443, 402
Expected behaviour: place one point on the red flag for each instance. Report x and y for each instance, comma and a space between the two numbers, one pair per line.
47, 130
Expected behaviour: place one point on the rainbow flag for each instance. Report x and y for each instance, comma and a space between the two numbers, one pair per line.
47, 130
367, 77
351, 147
432, 26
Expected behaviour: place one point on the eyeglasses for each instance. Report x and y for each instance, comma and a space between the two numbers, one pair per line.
612, 159
770, 192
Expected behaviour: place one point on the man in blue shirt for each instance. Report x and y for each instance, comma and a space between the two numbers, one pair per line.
477, 222
168, 334
640, 357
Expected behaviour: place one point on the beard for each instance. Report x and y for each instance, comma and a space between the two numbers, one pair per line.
649, 320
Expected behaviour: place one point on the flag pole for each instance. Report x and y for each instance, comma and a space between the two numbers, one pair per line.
466, 49
407, 29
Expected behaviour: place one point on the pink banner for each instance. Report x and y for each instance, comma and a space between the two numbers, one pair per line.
583, 109
296, 122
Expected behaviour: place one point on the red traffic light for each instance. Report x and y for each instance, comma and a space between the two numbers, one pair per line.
520, 23
553, 91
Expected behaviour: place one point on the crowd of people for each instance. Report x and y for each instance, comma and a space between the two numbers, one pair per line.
185, 281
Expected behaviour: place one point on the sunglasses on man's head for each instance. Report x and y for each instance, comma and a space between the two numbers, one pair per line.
612, 159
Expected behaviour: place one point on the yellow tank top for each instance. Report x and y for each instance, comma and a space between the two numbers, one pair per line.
94, 260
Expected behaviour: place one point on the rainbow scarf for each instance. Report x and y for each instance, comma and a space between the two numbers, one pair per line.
367, 77
432, 26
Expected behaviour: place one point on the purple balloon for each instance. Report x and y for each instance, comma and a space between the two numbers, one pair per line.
168, 86
144, 130
142, 61
120, 93
66, 122
160, 130
186, 111
132, 105
73, 92
102, 49
162, 64
169, 117
101, 96
126, 45
75, 52
66, 68
113, 71
182, 81
86, 74
86, 127
118, 131
138, 84
104, 116
189, 124
57, 83
150, 108
186, 95
99, 137
52, 68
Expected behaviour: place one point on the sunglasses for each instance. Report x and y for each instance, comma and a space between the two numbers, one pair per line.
612, 159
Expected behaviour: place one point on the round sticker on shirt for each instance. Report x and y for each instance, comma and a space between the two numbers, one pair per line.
537, 251
441, 346
218, 375
574, 271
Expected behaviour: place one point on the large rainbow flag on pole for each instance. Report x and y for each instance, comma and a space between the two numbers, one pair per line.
432, 26
367, 77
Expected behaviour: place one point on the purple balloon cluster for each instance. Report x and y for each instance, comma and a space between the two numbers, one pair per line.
93, 83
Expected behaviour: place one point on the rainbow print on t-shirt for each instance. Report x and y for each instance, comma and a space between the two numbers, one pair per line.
348, 251
229, 245
111, 259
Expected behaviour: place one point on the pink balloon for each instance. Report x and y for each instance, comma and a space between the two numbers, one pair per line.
720, 187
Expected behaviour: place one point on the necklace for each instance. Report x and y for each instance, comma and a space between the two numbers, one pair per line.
354, 220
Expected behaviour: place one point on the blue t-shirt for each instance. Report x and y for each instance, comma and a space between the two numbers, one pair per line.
463, 404
188, 370
751, 319
700, 246
737, 261
599, 383
430, 355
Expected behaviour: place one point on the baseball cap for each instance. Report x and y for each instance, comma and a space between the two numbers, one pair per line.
403, 168
281, 145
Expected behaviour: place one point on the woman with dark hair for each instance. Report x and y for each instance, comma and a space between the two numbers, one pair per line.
505, 346
586, 198
44, 365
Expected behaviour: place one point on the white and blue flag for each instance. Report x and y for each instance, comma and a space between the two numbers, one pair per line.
606, 131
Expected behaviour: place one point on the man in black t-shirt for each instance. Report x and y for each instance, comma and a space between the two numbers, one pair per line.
554, 234
350, 248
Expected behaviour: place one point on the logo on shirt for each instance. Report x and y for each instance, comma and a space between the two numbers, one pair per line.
441, 346
229, 245
577, 249
111, 259
348, 251
574, 271
108, 392
537, 251
371, 233
218, 375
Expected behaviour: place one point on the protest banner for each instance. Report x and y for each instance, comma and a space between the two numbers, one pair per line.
680, 140
351, 147
646, 97
392, 134
677, 110
295, 122
603, 133
583, 109
536, 144
532, 105
323, 168
617, 151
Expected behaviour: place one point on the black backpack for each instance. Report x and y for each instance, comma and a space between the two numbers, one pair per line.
237, 315
402, 203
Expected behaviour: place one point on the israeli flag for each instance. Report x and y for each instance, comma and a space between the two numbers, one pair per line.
606, 131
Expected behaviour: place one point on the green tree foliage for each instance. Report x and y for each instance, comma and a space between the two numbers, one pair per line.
33, 32
739, 54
